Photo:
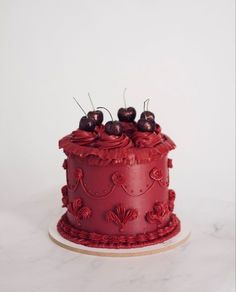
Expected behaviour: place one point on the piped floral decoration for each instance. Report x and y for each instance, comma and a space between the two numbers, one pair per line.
171, 200
78, 210
118, 178
78, 174
156, 174
157, 215
120, 216
65, 199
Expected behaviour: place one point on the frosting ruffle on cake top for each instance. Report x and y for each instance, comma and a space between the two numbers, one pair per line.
117, 149
147, 139
83, 138
106, 141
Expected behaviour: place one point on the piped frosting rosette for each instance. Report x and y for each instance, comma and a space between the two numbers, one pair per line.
147, 139
83, 138
111, 142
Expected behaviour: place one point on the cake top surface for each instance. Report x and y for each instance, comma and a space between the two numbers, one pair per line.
123, 141
127, 155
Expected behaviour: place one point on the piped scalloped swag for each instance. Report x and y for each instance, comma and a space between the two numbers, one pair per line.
118, 180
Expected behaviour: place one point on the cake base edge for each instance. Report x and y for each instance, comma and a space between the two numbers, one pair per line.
178, 240
67, 239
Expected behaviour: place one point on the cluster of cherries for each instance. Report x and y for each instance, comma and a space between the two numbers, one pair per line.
94, 118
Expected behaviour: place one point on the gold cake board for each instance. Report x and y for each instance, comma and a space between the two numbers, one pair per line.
170, 244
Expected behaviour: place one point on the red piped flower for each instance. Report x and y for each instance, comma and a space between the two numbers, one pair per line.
65, 199
171, 195
121, 216
74, 206
78, 173
64, 190
65, 164
117, 178
171, 206
157, 215
79, 211
160, 209
156, 174
171, 200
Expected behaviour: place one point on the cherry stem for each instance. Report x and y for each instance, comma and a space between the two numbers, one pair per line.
145, 107
124, 91
107, 111
147, 104
91, 101
80, 106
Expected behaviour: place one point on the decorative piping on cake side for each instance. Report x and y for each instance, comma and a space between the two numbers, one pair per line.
158, 214
65, 166
172, 196
120, 216
141, 193
97, 196
157, 175
94, 239
161, 210
65, 198
79, 181
78, 210
164, 182
118, 180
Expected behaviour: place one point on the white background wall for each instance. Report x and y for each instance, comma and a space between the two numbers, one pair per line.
179, 53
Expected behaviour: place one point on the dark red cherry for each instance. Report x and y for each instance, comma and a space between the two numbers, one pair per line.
147, 115
146, 125
97, 116
113, 128
87, 124
127, 114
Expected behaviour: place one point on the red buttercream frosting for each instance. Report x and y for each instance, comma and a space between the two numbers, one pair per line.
158, 129
129, 128
83, 138
93, 239
117, 188
111, 142
147, 139
100, 129
126, 155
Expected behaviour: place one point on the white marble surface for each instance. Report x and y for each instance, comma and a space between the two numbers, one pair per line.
30, 261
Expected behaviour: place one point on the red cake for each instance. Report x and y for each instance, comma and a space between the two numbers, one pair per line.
117, 182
